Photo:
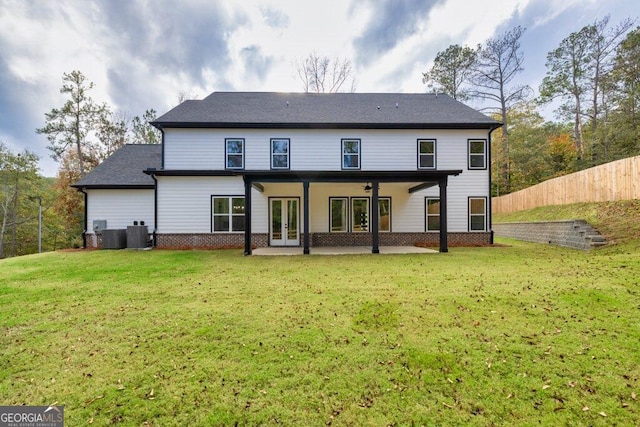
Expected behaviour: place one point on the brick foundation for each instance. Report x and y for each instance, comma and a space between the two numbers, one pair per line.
234, 240
94, 241
209, 240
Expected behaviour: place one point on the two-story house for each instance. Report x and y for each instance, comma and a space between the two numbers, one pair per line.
306, 170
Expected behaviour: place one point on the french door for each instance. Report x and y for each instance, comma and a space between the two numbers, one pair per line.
284, 222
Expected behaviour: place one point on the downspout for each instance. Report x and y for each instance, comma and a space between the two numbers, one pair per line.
155, 209
490, 207
162, 149
86, 210
155, 188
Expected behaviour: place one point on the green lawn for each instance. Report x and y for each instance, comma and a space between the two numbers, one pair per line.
520, 334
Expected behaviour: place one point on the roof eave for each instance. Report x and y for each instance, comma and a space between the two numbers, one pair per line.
284, 125
114, 186
302, 175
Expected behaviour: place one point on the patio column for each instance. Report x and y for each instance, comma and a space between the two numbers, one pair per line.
375, 219
443, 214
247, 215
305, 187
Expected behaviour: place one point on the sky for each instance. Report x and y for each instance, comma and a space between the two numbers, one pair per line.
143, 54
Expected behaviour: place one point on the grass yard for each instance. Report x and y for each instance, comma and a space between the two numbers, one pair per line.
522, 334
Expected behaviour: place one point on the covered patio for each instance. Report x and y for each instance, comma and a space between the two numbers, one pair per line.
416, 181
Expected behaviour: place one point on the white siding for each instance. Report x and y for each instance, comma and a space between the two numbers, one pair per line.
184, 203
407, 210
193, 149
120, 207
317, 149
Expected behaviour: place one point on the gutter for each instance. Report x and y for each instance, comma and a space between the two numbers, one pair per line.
155, 209
490, 207
86, 215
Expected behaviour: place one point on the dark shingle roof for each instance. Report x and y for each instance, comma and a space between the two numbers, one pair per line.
336, 110
124, 168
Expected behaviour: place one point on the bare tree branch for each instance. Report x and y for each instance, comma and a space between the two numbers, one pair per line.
323, 75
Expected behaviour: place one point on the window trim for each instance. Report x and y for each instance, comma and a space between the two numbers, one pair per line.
226, 153
347, 216
427, 215
230, 214
351, 211
469, 214
435, 143
484, 154
342, 153
288, 154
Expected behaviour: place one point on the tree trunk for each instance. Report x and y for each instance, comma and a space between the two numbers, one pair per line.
78, 142
505, 149
577, 130
5, 212
14, 225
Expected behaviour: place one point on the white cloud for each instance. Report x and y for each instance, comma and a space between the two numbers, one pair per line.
143, 54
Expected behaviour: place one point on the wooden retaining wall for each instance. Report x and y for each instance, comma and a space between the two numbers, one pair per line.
619, 180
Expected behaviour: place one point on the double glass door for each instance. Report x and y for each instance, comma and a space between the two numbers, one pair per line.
284, 229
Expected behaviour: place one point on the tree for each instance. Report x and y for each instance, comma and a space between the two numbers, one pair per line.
19, 186
498, 63
111, 131
567, 71
623, 123
576, 73
323, 75
143, 131
451, 70
71, 126
69, 203
561, 154
603, 48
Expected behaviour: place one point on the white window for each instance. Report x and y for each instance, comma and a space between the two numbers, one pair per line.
227, 214
432, 220
426, 154
477, 154
477, 213
350, 154
339, 216
280, 153
234, 153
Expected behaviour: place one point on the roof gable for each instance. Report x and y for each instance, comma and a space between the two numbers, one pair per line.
335, 110
124, 168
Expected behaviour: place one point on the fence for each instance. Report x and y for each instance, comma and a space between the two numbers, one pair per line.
619, 180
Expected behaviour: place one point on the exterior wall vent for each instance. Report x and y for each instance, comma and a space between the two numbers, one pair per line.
99, 225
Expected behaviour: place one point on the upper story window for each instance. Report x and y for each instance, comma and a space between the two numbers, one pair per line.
280, 153
426, 154
234, 153
477, 153
350, 154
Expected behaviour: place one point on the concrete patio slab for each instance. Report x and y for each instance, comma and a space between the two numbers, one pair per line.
341, 250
